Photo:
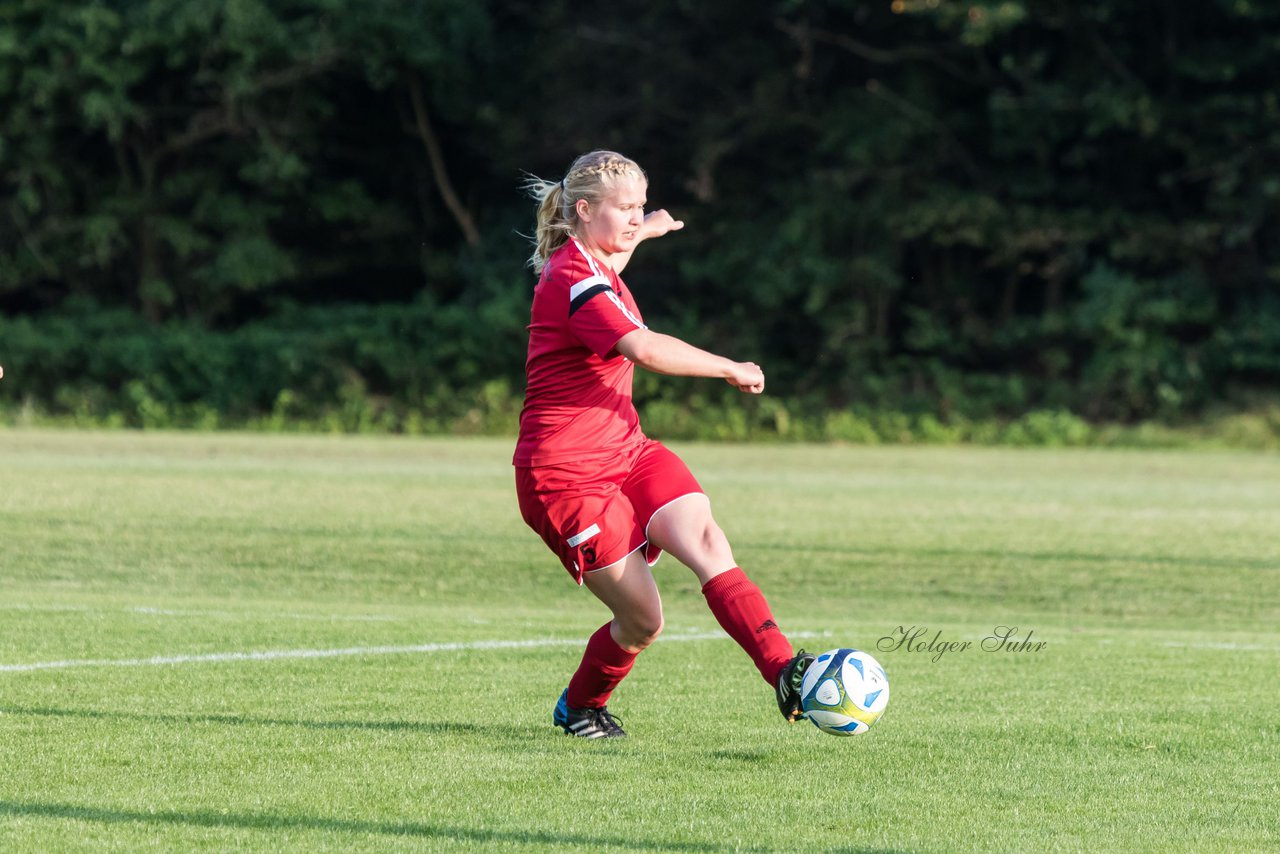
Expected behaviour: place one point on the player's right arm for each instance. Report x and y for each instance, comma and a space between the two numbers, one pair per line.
664, 354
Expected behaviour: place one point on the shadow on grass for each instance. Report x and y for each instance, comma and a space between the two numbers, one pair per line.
256, 821
447, 727
512, 737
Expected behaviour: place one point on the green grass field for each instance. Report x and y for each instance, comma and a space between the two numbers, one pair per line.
412, 636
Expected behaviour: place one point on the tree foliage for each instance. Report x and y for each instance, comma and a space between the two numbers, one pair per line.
966, 209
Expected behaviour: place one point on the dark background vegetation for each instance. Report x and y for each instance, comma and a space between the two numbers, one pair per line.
927, 219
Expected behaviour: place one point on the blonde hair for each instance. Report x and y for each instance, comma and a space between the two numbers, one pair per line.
590, 177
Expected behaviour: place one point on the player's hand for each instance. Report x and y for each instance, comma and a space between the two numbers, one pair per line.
658, 223
747, 377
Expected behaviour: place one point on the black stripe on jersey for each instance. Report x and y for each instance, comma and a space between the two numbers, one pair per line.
584, 297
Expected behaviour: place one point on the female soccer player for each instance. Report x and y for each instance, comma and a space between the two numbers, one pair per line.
604, 497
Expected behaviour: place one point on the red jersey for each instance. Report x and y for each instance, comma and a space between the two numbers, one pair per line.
577, 402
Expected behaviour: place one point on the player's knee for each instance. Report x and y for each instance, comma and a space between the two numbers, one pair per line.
643, 629
651, 629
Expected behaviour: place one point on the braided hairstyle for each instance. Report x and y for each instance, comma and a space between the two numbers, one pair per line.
590, 177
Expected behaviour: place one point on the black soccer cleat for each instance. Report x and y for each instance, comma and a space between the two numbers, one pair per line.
788, 687
586, 723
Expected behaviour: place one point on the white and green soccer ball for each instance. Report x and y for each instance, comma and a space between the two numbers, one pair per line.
844, 692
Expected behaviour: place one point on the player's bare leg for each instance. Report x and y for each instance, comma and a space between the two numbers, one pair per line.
628, 590
687, 530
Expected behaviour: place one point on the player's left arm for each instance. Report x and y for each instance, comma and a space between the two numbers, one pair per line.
656, 224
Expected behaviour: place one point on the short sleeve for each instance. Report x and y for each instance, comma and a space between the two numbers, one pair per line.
598, 317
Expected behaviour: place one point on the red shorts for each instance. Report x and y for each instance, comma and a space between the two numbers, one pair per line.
595, 514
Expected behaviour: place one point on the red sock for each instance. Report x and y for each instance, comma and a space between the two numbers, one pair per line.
603, 666
742, 611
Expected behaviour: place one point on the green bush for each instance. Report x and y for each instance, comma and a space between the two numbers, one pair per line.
308, 214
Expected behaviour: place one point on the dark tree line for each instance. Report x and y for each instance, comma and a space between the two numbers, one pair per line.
966, 209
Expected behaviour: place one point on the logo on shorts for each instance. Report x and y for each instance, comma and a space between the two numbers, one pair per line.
582, 536
766, 626
587, 551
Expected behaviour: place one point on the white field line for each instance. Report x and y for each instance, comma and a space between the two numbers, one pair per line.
279, 654
1231, 645
241, 615
285, 654
1054, 641
386, 618
53, 608
230, 615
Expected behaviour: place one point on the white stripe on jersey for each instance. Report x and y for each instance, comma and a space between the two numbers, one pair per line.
591, 261
600, 279
590, 282
611, 295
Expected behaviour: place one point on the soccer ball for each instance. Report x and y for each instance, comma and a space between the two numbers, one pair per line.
844, 692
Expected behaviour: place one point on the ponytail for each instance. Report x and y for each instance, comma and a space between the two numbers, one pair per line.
553, 228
